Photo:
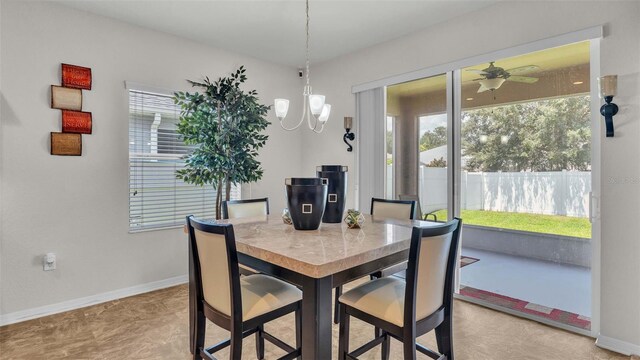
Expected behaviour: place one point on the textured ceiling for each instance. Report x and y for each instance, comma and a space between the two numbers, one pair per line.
274, 30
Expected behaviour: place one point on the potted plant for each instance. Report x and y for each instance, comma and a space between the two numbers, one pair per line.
225, 124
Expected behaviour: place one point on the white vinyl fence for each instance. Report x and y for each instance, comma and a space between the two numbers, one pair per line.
551, 193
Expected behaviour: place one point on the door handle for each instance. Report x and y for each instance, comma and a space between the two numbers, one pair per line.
594, 205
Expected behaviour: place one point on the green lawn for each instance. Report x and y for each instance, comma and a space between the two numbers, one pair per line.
548, 224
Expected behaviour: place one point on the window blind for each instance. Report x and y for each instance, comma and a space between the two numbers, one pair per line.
370, 122
156, 198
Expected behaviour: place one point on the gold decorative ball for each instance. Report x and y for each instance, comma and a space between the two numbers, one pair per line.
354, 219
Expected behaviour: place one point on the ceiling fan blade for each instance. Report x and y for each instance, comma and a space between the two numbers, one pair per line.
482, 88
478, 79
523, 79
481, 72
523, 69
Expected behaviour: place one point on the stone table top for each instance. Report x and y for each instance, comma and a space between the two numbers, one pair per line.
326, 251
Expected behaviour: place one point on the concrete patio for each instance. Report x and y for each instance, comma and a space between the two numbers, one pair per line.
554, 285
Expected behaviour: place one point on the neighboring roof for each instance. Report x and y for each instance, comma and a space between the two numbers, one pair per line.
428, 156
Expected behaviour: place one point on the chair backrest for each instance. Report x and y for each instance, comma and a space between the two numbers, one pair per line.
393, 209
213, 266
431, 269
233, 209
417, 200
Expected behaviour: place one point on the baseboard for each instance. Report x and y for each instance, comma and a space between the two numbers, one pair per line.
618, 346
24, 315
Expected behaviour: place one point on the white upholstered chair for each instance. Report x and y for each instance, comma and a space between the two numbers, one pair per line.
407, 309
241, 305
233, 209
398, 269
393, 209
382, 209
430, 211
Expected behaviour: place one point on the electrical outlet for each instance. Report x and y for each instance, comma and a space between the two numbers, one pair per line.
49, 262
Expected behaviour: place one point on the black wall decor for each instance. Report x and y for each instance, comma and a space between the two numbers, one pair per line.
336, 176
306, 198
348, 135
608, 110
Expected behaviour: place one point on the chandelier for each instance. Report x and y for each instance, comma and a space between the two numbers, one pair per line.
314, 105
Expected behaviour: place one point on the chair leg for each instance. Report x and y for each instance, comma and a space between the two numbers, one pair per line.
299, 330
343, 339
198, 335
235, 348
444, 338
336, 309
260, 342
386, 347
377, 332
409, 345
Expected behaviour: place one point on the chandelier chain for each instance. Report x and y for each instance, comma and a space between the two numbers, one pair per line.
307, 43
317, 125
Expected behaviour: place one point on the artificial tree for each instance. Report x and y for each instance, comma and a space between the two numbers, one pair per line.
225, 124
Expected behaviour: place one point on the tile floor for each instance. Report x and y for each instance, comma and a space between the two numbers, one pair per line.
155, 326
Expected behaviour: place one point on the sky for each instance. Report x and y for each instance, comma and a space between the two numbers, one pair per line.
429, 123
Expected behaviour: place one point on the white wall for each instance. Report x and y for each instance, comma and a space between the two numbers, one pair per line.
501, 26
77, 207
1, 162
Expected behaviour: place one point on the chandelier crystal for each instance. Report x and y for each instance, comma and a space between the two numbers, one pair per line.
314, 105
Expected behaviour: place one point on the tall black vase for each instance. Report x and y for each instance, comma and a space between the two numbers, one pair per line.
336, 178
306, 198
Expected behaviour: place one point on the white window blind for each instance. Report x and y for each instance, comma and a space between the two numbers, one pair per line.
156, 198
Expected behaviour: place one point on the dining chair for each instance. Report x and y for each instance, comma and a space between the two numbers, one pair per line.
240, 305
382, 209
407, 309
393, 209
398, 269
232, 209
431, 211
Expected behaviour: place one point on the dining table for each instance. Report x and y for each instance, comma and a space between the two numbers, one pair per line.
318, 261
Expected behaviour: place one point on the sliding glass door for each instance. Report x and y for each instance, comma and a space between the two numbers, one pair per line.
525, 184
417, 143
514, 161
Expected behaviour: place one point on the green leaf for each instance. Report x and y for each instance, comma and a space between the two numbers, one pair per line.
225, 123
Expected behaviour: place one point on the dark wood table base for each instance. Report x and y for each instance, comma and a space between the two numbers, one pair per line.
317, 308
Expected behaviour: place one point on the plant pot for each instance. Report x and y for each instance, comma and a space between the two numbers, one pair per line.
306, 198
336, 176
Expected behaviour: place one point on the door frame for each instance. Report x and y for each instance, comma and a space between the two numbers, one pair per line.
452, 71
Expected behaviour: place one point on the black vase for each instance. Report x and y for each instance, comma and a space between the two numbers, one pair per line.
306, 198
336, 178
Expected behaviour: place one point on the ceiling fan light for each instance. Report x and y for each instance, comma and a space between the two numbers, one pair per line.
491, 84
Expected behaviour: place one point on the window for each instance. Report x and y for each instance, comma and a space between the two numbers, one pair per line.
156, 198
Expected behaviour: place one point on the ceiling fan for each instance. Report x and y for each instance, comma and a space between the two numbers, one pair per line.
494, 76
